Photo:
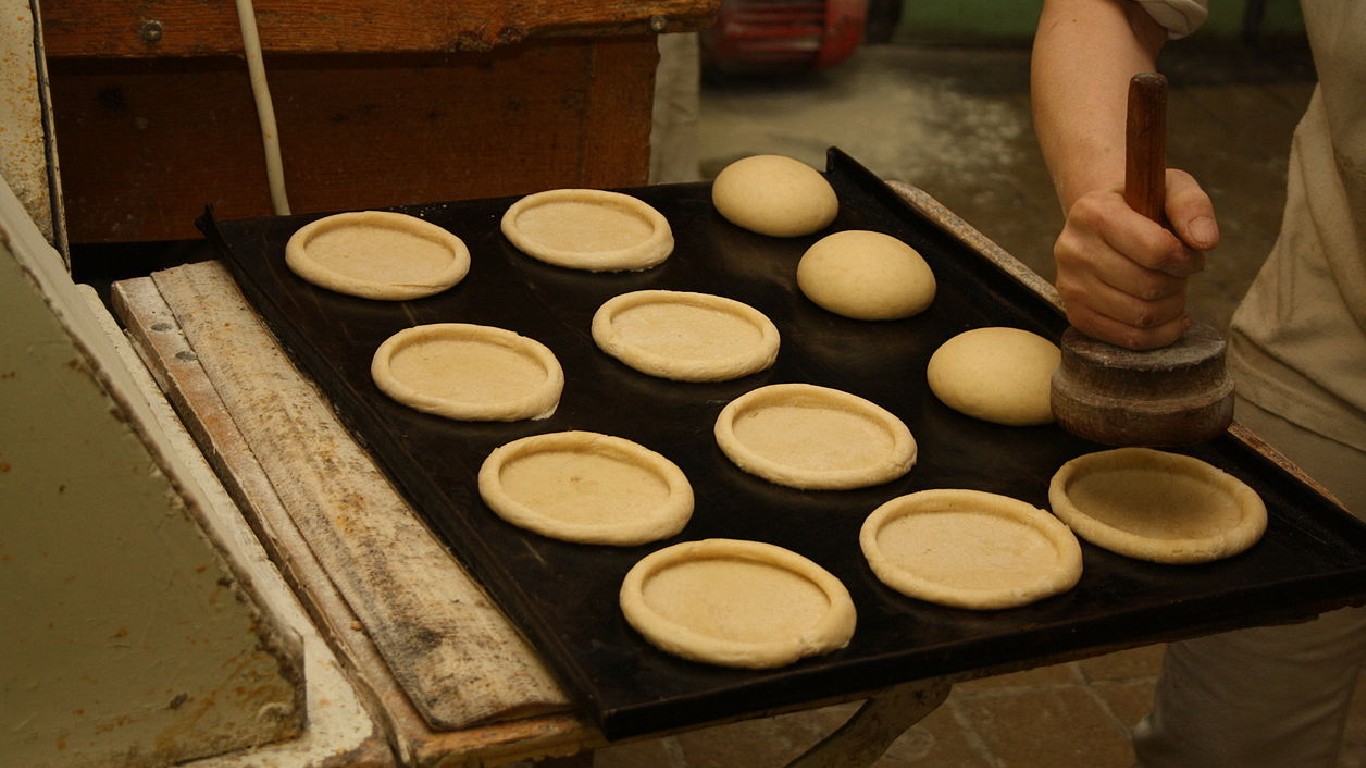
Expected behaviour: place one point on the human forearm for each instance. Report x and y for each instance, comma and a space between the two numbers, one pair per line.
1085, 52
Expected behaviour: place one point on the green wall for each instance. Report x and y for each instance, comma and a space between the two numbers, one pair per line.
1009, 21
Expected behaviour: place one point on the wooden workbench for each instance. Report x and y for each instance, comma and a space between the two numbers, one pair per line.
377, 103
449, 676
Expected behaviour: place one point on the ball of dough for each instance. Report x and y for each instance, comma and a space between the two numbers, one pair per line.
774, 195
1001, 375
866, 275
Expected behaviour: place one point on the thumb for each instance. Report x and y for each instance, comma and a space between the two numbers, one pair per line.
1190, 211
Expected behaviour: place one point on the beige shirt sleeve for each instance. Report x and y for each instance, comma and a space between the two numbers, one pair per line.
1179, 17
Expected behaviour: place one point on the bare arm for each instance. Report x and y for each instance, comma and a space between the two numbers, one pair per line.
1122, 277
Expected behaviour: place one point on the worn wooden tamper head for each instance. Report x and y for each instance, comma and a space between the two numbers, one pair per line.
1174, 396
1169, 397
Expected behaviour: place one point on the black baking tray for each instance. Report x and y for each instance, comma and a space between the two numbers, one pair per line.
564, 596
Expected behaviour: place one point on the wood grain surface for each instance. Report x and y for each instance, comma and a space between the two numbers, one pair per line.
147, 144
446, 669
141, 28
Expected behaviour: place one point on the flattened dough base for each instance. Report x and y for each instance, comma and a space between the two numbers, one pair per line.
737, 603
589, 229
377, 255
686, 336
1159, 506
469, 372
587, 488
970, 549
805, 436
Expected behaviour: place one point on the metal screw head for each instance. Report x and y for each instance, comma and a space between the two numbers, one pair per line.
658, 23
151, 31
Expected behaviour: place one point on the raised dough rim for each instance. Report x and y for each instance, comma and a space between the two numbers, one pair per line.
539, 404
664, 521
834, 630
302, 264
1175, 551
643, 255
900, 458
962, 499
758, 358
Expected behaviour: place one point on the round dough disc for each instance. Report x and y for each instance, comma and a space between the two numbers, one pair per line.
1001, 375
970, 549
469, 372
686, 336
589, 229
377, 255
866, 275
774, 195
587, 488
737, 603
1158, 506
805, 436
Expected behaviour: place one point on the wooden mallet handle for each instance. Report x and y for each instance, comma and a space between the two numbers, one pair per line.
1145, 171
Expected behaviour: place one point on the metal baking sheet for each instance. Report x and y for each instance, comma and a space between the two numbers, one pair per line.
564, 596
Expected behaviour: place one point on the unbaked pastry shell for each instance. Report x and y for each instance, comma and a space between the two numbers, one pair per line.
686, 336
587, 488
1156, 505
377, 255
970, 549
469, 372
737, 603
806, 436
589, 229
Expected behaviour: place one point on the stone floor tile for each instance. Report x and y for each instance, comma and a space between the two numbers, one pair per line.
1124, 665
1054, 674
1128, 701
1047, 728
938, 741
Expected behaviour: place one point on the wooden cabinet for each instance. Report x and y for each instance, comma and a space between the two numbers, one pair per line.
377, 103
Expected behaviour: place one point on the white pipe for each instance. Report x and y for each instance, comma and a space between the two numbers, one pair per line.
265, 109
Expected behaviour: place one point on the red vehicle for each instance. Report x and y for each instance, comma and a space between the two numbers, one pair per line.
760, 36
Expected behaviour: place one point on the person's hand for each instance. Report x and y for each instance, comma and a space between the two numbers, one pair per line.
1122, 276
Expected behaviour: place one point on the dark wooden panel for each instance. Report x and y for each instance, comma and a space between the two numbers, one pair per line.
141, 28
146, 144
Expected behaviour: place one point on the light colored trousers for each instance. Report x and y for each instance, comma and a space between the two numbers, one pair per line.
1271, 696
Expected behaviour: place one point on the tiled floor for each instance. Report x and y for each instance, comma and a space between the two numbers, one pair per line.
956, 124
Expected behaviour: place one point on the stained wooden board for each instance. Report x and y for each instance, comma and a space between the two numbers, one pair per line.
117, 28
452, 679
146, 144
